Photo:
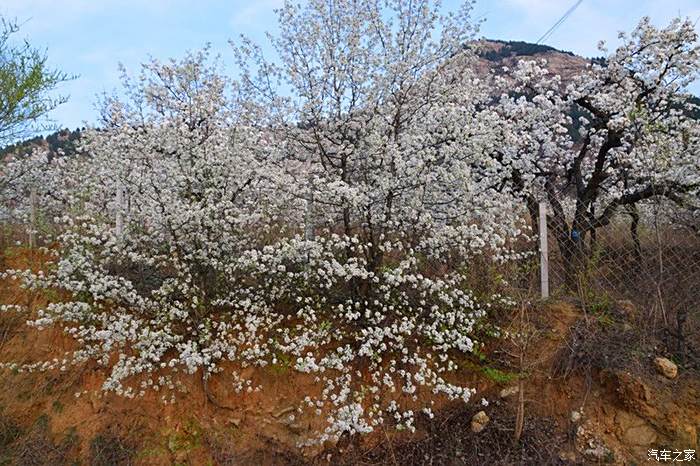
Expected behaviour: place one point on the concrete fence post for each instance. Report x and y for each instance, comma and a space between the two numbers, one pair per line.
309, 204
32, 217
309, 219
544, 252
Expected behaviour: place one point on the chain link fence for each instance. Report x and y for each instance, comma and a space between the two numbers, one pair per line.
645, 262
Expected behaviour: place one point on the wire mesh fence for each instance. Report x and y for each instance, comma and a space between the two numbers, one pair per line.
644, 262
646, 259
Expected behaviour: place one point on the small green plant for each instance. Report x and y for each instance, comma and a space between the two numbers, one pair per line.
57, 406
284, 362
593, 300
187, 440
605, 319
599, 303
326, 326
498, 375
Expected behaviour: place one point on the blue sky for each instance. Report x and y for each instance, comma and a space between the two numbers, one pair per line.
90, 37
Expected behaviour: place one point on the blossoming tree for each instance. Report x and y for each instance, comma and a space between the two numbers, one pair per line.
323, 213
185, 251
635, 135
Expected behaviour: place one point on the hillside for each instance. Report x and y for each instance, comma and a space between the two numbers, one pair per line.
591, 390
58, 143
496, 54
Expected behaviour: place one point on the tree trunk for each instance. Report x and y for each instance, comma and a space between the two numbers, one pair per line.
569, 239
634, 232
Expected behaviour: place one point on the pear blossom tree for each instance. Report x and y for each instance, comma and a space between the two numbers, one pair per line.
378, 105
374, 137
635, 141
17, 178
36, 183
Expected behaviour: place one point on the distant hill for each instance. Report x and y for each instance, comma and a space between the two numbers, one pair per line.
496, 54
500, 49
59, 143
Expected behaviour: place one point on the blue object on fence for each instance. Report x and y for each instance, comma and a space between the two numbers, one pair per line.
575, 235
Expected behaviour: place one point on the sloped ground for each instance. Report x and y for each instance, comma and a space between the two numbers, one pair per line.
594, 365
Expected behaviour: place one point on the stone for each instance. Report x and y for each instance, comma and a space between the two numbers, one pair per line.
666, 367
637, 396
236, 422
575, 417
599, 454
591, 447
508, 392
635, 430
640, 435
479, 421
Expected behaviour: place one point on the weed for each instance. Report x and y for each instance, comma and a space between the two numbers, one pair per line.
57, 406
107, 449
498, 375
37, 448
190, 438
9, 432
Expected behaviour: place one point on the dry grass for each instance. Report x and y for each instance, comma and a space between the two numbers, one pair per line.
109, 448
38, 448
603, 339
448, 440
660, 279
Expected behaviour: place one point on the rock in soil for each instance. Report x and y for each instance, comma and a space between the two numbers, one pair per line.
635, 430
479, 421
508, 392
666, 367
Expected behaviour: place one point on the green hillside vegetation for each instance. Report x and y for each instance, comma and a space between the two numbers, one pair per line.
59, 143
518, 49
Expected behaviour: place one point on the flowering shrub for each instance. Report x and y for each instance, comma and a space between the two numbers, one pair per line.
370, 338
185, 254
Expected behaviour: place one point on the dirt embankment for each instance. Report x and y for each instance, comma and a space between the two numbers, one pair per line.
591, 394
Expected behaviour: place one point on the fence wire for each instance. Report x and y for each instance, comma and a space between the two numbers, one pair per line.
646, 262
